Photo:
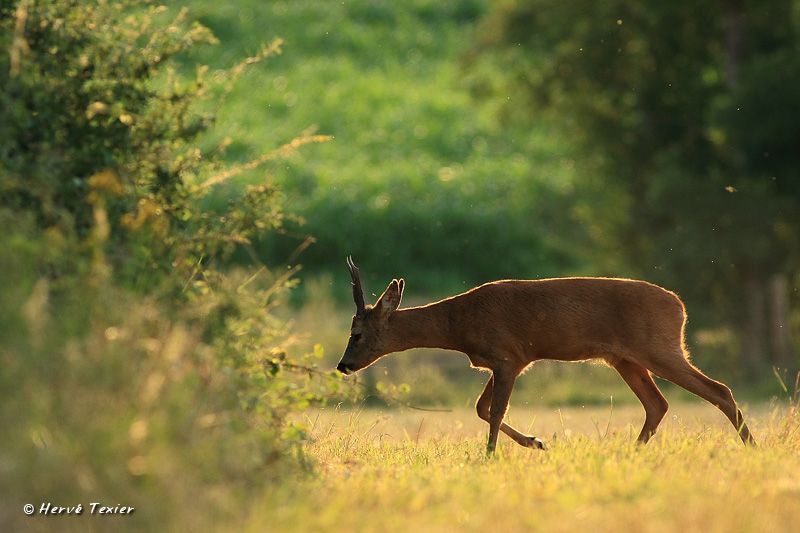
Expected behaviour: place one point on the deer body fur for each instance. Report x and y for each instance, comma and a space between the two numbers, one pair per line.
505, 326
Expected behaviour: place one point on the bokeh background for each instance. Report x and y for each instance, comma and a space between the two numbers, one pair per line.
476, 141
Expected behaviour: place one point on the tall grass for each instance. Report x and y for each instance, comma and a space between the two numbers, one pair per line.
113, 397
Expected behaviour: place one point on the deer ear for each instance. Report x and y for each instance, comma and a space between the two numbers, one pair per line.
390, 299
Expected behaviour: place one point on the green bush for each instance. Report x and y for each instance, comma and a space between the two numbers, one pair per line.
81, 89
135, 370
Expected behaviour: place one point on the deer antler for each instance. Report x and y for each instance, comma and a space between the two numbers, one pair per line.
358, 292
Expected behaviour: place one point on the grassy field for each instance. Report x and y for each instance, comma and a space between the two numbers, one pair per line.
425, 471
397, 469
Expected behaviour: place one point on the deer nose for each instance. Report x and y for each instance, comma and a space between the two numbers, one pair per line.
344, 369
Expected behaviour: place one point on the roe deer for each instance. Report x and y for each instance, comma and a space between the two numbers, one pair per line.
504, 326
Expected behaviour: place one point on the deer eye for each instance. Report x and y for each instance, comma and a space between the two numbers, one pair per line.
356, 337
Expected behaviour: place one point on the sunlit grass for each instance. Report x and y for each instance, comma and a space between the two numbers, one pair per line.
423, 471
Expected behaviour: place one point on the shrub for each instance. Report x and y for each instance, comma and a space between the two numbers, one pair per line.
136, 370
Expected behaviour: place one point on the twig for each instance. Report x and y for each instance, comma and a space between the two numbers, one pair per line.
283, 151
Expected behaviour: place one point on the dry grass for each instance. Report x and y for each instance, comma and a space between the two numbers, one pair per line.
425, 471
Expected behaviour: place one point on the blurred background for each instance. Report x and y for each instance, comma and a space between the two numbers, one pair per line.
477, 140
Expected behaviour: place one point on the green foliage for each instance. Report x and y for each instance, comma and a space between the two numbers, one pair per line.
683, 106
78, 86
103, 123
686, 111
135, 369
420, 180
760, 127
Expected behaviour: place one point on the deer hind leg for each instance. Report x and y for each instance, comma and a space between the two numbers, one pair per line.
684, 374
641, 383
487, 411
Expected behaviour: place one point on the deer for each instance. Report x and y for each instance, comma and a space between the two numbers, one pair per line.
505, 326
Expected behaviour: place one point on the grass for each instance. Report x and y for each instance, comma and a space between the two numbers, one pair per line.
413, 470
424, 471
397, 469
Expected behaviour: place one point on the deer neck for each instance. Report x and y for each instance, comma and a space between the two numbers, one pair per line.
428, 326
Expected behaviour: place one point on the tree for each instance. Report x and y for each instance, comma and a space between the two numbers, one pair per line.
689, 109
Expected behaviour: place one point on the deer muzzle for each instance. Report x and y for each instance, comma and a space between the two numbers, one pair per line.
344, 369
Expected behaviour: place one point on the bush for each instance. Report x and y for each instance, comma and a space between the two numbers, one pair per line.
81, 86
118, 398
136, 371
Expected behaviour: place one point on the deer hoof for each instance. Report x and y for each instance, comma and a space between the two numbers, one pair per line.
537, 443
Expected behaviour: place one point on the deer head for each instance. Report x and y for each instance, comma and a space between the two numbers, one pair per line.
369, 329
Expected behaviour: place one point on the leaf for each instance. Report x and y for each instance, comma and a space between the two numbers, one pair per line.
318, 351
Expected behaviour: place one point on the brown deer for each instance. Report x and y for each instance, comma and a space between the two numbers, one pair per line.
505, 326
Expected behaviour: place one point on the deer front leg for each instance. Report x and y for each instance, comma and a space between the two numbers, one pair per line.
485, 406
